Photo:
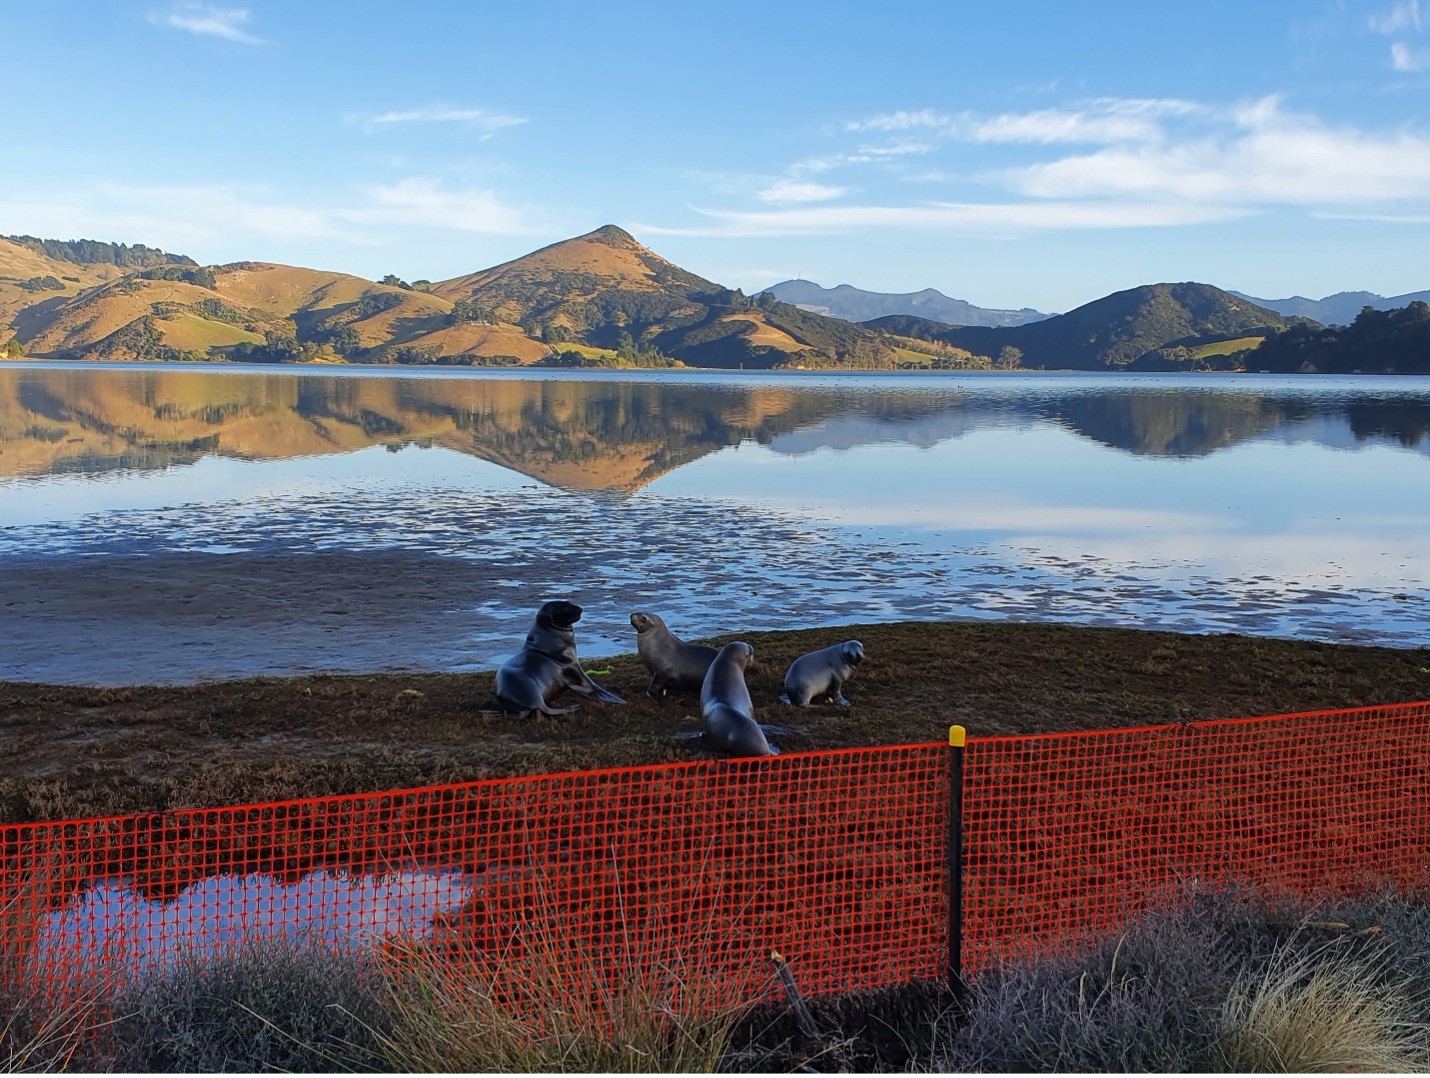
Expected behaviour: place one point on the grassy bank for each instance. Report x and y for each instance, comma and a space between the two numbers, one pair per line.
75, 752
1217, 981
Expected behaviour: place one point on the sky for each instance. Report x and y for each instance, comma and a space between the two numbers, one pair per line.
1017, 154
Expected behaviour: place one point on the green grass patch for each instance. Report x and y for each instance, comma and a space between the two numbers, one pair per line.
1226, 348
186, 331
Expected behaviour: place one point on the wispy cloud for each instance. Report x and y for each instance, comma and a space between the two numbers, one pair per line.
1106, 120
424, 202
795, 191
1404, 58
1142, 163
1403, 18
484, 120
207, 19
219, 218
988, 217
904, 120
1268, 157
1405, 15
1100, 120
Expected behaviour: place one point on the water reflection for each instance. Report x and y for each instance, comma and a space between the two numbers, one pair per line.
359, 521
133, 937
619, 434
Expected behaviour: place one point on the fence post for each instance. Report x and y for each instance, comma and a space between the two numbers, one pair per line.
957, 735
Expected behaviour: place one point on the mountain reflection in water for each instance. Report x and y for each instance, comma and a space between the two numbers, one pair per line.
619, 434
167, 525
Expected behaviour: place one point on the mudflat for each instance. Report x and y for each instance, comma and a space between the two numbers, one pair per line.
74, 752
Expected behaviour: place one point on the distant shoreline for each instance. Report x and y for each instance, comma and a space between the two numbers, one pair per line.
448, 370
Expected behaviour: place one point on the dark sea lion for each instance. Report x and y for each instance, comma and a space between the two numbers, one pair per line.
672, 662
822, 673
726, 707
546, 664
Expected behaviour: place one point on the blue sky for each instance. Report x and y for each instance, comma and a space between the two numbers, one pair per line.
1015, 154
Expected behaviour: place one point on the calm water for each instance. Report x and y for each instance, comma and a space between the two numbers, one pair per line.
165, 524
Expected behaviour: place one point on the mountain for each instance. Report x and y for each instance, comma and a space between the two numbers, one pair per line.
1339, 309
605, 290
856, 305
600, 299
1115, 331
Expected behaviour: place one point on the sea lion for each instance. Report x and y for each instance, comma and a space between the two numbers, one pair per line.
672, 662
546, 664
726, 707
822, 673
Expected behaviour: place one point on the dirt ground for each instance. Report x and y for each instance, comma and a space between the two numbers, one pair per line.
73, 752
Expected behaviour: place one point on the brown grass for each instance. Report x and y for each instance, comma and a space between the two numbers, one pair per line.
1320, 1012
75, 752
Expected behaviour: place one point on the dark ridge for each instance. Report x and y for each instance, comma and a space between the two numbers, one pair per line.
97, 252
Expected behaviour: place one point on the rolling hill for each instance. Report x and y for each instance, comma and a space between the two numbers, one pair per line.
857, 305
600, 299
597, 299
1151, 324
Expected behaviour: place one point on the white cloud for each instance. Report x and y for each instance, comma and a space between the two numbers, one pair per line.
204, 220
1100, 120
485, 121
1404, 58
1151, 162
1106, 120
902, 121
197, 18
1000, 217
1269, 157
1405, 15
796, 191
420, 201
172, 216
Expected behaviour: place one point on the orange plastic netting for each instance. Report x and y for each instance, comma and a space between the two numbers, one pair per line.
1066, 835
697, 871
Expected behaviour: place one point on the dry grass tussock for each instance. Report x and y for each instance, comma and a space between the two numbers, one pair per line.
460, 1016
1217, 980
1327, 1011
286, 1006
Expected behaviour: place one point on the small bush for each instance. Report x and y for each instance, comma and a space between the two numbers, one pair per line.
264, 1008
545, 1015
1317, 1013
1219, 980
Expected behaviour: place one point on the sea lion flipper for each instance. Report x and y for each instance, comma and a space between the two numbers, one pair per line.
581, 682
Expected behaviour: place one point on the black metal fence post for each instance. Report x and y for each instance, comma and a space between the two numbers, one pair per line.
957, 736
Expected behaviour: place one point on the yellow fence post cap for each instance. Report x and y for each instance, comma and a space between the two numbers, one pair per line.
957, 735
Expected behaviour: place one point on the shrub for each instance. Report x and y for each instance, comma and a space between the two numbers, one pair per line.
1218, 979
263, 1008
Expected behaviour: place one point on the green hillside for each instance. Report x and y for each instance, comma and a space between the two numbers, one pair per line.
1112, 332
1377, 342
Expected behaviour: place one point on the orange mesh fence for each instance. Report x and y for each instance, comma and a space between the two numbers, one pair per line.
674, 873
1066, 835
691, 874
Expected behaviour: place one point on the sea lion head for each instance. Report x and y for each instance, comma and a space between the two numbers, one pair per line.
739, 652
644, 622
852, 651
558, 614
